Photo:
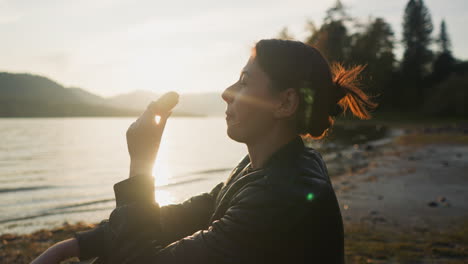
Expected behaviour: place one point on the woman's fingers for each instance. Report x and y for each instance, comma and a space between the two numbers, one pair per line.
163, 119
164, 104
160, 107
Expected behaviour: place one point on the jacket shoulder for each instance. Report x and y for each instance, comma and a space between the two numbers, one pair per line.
311, 164
305, 179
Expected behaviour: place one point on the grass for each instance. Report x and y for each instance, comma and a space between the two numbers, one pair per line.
24, 248
363, 244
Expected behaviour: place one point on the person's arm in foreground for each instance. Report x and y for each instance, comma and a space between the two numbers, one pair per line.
58, 252
256, 227
143, 139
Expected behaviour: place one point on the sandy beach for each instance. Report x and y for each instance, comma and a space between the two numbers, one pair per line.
402, 200
407, 185
405, 201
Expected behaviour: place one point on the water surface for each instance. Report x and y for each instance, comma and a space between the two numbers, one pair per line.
63, 169
54, 170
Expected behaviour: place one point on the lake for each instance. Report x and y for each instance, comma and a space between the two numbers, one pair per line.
54, 170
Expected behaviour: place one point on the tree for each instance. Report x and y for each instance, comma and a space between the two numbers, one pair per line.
445, 62
285, 34
332, 38
337, 13
374, 47
449, 97
444, 39
417, 57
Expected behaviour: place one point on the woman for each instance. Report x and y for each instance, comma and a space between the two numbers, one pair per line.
277, 206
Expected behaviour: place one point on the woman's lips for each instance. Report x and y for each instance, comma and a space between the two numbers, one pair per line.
228, 116
229, 119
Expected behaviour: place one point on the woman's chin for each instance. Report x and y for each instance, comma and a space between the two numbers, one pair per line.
234, 134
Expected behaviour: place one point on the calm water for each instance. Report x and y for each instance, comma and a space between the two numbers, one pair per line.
54, 170
63, 169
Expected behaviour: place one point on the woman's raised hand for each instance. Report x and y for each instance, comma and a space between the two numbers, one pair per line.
144, 135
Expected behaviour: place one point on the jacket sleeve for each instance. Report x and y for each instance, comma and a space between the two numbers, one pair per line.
252, 228
135, 203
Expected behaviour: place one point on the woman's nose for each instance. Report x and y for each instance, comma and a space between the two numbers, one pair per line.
228, 94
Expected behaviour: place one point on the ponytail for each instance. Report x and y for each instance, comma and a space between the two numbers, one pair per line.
348, 93
345, 93
325, 91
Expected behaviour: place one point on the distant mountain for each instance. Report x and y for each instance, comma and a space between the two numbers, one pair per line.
136, 100
27, 95
88, 97
206, 104
27, 87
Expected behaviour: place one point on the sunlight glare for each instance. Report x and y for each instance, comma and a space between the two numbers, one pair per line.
161, 170
162, 175
157, 119
164, 197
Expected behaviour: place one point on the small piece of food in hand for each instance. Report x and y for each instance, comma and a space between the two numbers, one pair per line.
165, 103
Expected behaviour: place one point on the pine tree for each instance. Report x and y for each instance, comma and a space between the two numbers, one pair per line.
445, 62
444, 40
417, 58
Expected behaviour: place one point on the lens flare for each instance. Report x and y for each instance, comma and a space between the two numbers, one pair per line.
251, 100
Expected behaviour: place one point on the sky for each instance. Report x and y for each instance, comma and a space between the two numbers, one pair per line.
110, 47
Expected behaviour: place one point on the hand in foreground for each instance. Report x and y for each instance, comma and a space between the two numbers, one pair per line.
144, 135
58, 252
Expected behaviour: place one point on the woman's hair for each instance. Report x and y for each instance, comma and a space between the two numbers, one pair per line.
325, 91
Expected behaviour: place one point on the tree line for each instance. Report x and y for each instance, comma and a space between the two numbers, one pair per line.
428, 79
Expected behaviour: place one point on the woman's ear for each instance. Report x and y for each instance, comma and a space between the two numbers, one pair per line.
288, 103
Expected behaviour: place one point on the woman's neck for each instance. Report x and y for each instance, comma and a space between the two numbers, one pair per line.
262, 149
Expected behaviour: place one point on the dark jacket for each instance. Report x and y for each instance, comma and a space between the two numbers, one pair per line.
286, 212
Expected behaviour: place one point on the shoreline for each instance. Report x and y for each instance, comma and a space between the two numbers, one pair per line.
403, 200
406, 183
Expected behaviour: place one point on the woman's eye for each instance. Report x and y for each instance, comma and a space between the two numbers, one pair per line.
242, 81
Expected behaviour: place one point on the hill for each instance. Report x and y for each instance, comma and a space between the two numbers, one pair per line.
27, 95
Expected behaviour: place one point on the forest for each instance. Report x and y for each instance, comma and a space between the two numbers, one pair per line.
428, 80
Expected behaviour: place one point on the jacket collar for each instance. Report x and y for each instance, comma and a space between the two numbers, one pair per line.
277, 166
285, 153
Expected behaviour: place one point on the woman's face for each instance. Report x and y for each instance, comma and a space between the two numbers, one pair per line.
250, 105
